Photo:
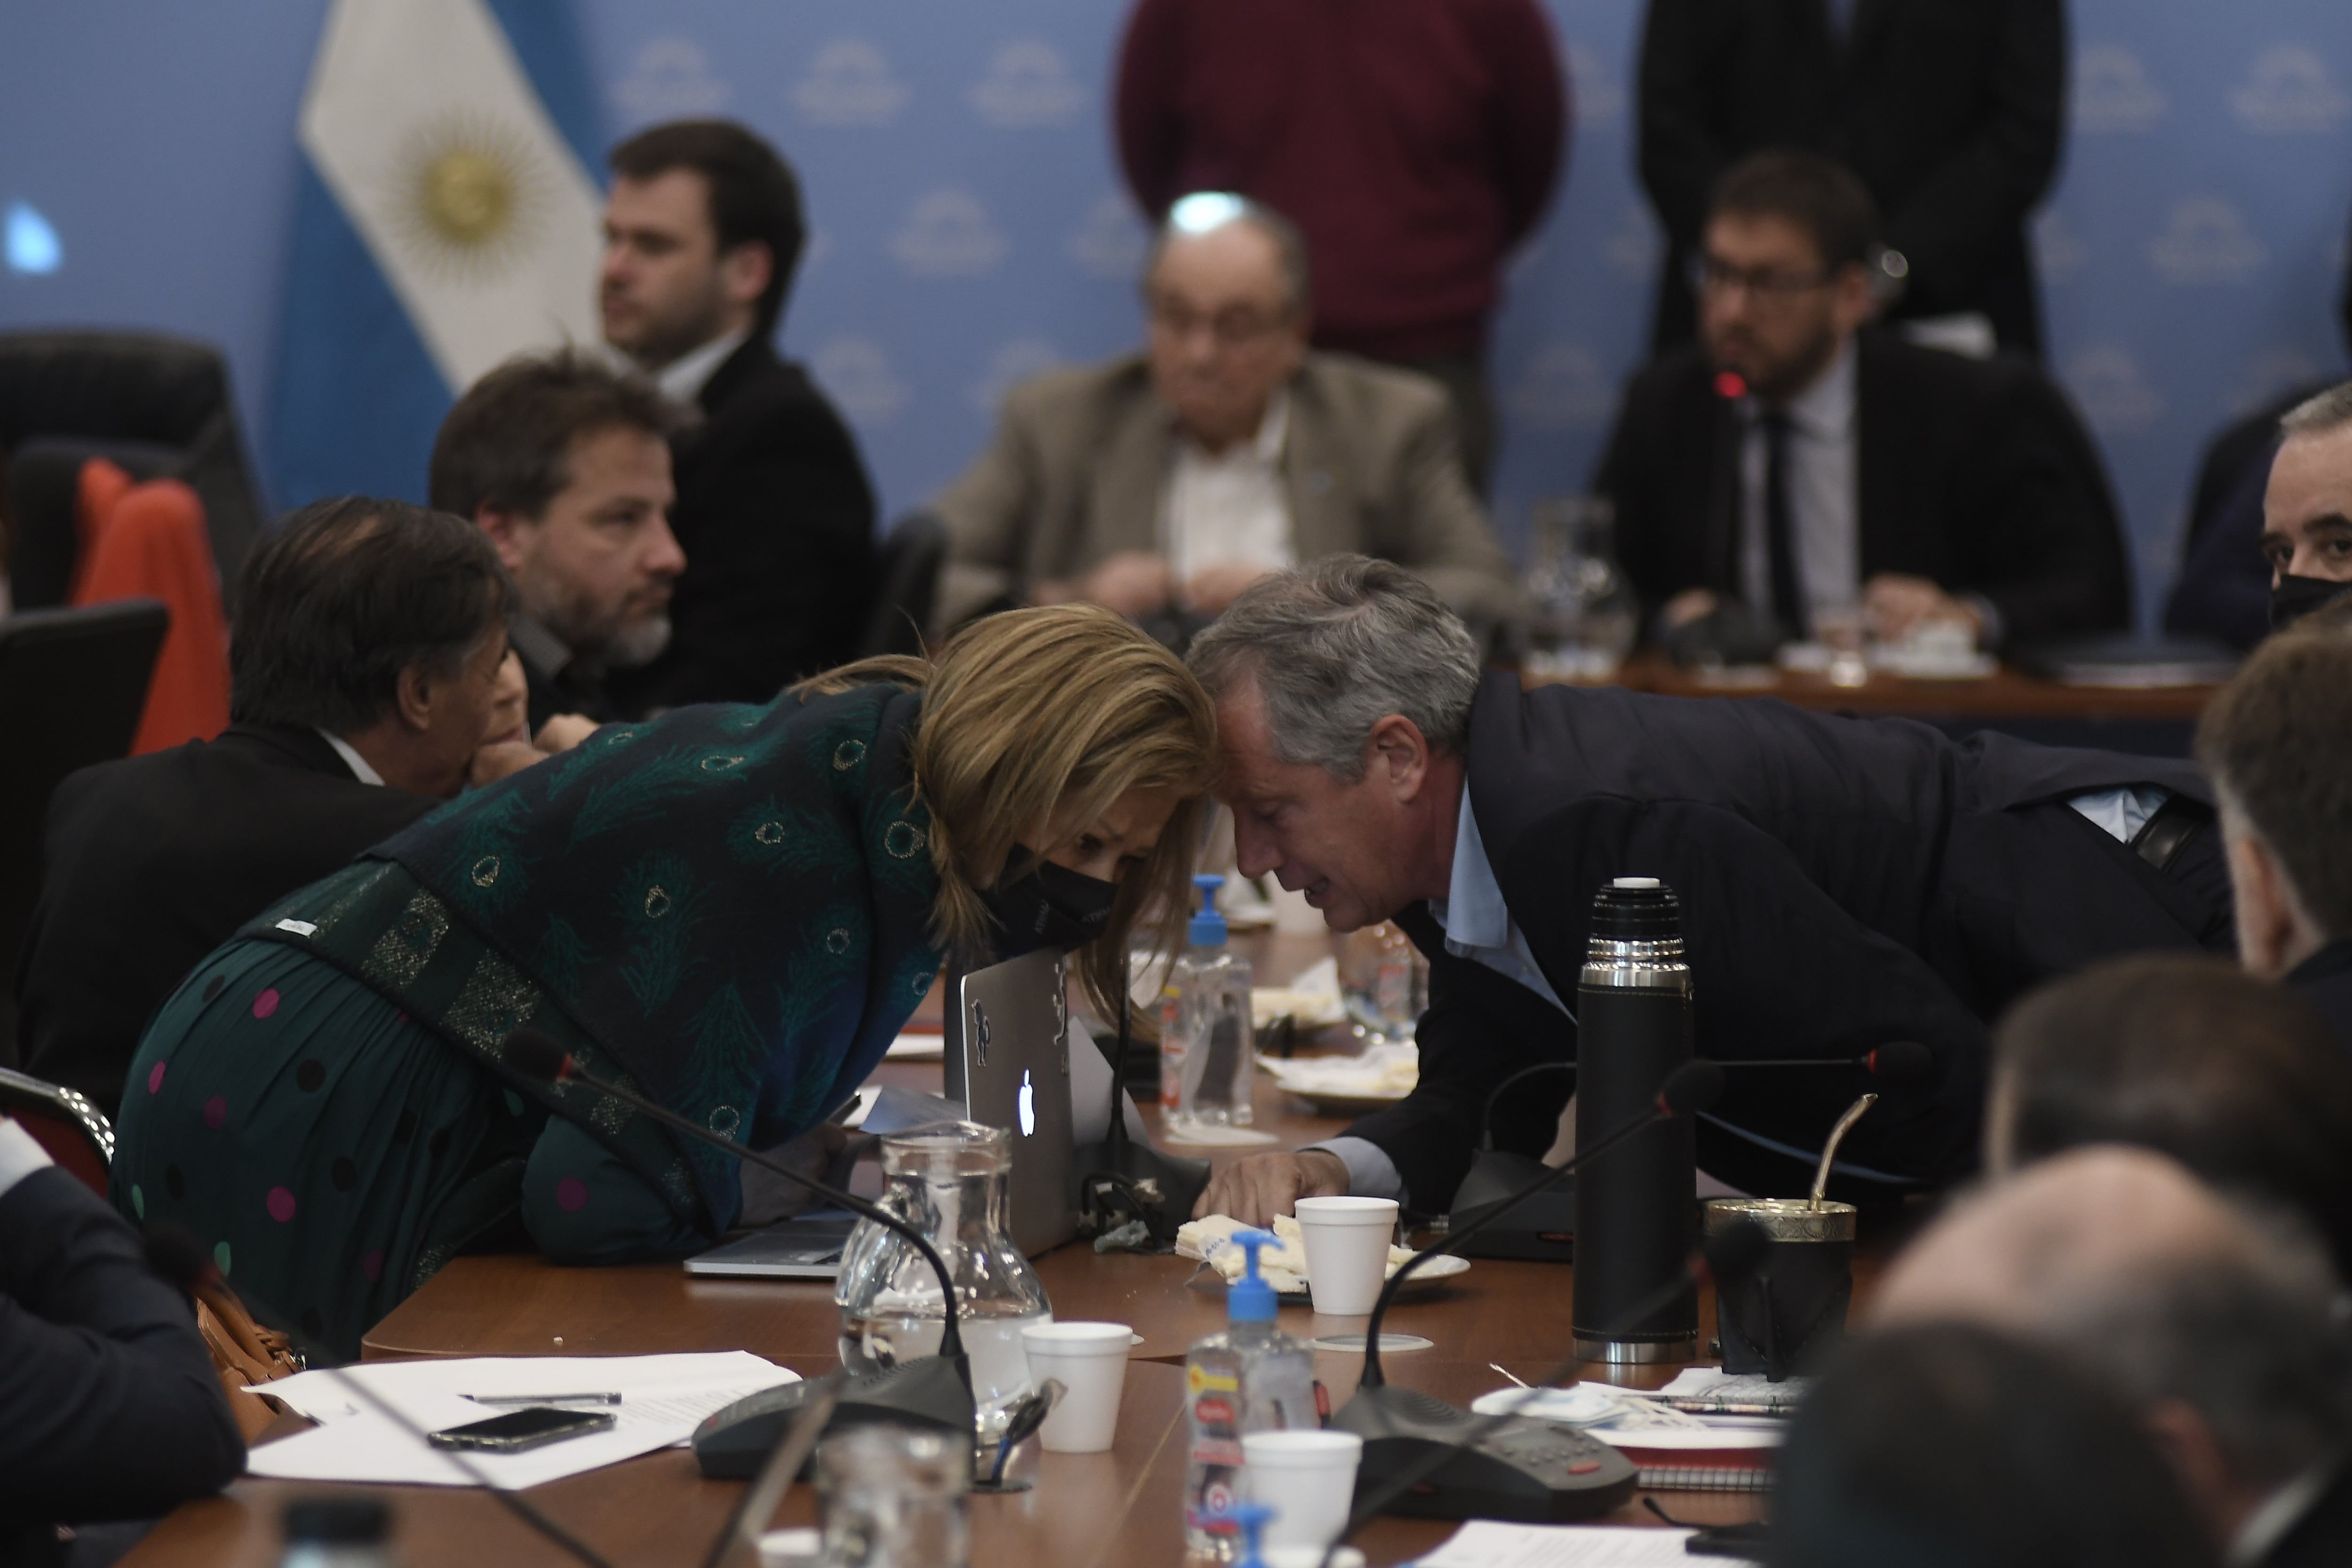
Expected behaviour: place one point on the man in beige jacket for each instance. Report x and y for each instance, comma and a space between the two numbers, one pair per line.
1162, 484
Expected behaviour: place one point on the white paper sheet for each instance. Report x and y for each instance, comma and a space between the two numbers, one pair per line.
662, 1399
1486, 1544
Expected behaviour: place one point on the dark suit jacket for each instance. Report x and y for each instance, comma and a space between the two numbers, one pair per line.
1972, 473
776, 518
1951, 112
109, 1406
152, 862
2324, 980
1845, 883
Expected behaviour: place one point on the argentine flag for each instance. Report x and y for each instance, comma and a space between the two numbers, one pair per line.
447, 220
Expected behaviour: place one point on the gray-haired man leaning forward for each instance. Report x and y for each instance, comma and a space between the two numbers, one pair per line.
1845, 883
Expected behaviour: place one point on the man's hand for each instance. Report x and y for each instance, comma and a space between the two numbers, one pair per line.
1895, 605
564, 730
510, 703
1255, 1189
499, 758
1209, 592
1687, 606
1135, 583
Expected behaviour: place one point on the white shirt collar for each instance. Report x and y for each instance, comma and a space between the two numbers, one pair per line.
21, 1155
683, 378
1265, 446
1474, 914
1825, 409
351, 759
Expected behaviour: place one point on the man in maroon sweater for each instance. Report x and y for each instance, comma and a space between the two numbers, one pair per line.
1414, 141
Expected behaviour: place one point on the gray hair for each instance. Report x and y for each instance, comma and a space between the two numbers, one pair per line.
2329, 412
2255, 1341
1339, 645
1222, 208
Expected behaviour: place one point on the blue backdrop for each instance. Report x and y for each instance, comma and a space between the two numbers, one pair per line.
971, 226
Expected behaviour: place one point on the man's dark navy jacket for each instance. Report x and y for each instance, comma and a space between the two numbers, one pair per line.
1845, 883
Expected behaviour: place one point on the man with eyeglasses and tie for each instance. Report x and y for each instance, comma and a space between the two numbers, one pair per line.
1799, 475
1162, 484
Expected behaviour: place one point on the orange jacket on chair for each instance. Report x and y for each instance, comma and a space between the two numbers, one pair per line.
148, 541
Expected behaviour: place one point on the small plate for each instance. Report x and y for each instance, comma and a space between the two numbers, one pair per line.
1343, 1104
1433, 1273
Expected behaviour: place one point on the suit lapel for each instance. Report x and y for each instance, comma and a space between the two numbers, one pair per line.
1314, 481
1877, 478
1124, 497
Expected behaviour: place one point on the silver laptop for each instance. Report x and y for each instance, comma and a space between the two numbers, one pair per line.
1008, 1059
805, 1248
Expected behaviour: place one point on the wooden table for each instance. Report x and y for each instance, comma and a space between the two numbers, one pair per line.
2158, 719
1087, 1509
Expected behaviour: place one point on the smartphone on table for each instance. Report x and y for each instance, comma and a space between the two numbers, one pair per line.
518, 1431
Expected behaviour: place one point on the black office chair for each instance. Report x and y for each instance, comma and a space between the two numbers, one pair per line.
158, 406
72, 683
68, 1128
908, 564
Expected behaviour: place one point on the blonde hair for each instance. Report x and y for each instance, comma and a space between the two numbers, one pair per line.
1040, 718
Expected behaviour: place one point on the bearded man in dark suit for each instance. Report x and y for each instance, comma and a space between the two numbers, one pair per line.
702, 231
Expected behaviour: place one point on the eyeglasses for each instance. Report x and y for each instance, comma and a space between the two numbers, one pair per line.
1767, 285
1235, 327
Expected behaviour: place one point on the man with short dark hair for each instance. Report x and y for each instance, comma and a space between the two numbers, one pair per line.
1796, 470
1161, 484
364, 663
564, 463
1844, 883
2237, 1078
702, 232
2278, 745
2218, 1319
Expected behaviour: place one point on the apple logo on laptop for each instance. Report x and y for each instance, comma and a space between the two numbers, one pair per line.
1027, 1101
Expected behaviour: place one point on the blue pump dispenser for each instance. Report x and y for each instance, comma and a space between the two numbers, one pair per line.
1207, 927
1250, 1300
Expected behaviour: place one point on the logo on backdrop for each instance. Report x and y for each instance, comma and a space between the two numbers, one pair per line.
1634, 247
1026, 1103
849, 83
1110, 243
1011, 365
1027, 85
1595, 89
2270, 375
1563, 387
2058, 251
2113, 394
948, 234
2206, 242
2289, 92
856, 374
671, 80
2112, 93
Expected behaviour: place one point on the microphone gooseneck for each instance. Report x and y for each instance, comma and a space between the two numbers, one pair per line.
1689, 1089
537, 1055
1897, 1061
1726, 1257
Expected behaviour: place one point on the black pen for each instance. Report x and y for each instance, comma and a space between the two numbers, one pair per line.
542, 1398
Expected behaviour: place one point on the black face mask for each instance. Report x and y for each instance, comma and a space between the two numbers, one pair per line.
1052, 906
2296, 597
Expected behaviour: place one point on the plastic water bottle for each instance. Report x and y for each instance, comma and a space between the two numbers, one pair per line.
1248, 1377
1206, 1048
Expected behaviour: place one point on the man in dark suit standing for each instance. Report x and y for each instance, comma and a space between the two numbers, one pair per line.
1950, 111
702, 230
364, 664
1844, 883
1815, 471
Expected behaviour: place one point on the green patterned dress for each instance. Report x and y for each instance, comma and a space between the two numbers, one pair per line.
727, 908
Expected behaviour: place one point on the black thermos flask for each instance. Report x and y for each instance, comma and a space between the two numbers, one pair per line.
1636, 1205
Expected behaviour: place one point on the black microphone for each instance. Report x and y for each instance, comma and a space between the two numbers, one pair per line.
537, 1055
1689, 1089
1897, 1061
1409, 1437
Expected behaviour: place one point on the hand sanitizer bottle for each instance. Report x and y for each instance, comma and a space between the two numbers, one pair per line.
1207, 1051
1250, 1377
